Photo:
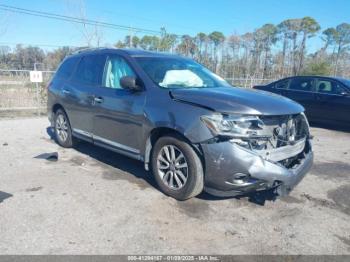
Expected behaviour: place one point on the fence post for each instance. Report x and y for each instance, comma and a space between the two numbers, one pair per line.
246, 81
37, 94
37, 90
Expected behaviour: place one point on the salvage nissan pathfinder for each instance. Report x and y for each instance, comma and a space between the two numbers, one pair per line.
190, 127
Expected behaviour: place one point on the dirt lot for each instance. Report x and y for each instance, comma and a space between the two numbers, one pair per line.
94, 201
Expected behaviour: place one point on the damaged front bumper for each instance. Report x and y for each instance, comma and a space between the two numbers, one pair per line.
233, 170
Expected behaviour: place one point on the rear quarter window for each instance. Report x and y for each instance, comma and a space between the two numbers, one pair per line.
282, 84
67, 67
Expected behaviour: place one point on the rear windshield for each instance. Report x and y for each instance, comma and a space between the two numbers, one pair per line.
179, 73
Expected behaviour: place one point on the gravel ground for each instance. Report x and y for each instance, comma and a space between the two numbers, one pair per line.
92, 201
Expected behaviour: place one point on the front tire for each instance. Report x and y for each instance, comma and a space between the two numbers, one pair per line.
63, 131
177, 168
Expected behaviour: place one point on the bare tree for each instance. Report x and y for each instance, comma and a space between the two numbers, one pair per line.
217, 38
268, 52
234, 43
200, 39
343, 41
308, 28
328, 36
285, 35
92, 34
269, 38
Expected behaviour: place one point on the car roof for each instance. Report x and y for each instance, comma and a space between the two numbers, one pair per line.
314, 76
127, 51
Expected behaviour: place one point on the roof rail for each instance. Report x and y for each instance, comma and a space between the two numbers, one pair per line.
88, 49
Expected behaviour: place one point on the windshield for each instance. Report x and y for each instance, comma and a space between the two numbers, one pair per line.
179, 73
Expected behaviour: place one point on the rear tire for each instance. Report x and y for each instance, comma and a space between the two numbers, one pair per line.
177, 168
63, 131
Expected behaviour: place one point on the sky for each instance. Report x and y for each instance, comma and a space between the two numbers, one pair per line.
177, 16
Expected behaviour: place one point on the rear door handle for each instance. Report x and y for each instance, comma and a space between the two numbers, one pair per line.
98, 99
65, 91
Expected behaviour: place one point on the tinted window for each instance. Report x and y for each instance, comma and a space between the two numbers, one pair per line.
67, 67
282, 84
90, 69
116, 68
329, 87
302, 84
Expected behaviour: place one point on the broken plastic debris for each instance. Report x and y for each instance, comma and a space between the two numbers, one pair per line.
4, 195
48, 156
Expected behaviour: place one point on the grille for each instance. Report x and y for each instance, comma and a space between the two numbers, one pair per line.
285, 129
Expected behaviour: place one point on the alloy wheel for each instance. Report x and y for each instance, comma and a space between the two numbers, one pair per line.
62, 127
172, 167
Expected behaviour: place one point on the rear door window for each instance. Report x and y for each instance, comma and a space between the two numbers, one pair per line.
67, 67
90, 70
302, 84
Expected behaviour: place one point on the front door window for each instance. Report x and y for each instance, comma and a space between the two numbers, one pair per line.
116, 68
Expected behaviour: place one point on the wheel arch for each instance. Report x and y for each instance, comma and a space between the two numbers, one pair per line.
159, 132
57, 106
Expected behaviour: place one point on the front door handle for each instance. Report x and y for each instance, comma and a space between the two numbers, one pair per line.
98, 99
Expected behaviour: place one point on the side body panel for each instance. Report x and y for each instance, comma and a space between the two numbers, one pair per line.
77, 101
333, 107
119, 117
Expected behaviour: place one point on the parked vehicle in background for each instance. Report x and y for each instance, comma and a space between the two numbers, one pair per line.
184, 122
325, 99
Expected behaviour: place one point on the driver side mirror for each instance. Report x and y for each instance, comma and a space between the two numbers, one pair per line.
130, 83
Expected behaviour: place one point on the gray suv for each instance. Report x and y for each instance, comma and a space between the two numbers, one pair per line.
190, 127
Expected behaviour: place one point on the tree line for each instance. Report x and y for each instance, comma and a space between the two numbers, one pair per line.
269, 52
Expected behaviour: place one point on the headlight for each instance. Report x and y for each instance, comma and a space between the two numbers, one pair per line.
306, 123
235, 126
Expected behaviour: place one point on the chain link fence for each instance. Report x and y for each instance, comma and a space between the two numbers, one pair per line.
19, 96
249, 82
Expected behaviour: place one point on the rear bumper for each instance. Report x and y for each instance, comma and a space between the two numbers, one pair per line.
225, 160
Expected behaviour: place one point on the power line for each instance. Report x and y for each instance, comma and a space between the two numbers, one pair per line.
74, 19
149, 20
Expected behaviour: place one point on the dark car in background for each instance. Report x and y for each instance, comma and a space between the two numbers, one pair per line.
188, 125
325, 99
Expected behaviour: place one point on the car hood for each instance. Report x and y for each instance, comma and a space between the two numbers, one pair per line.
237, 101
